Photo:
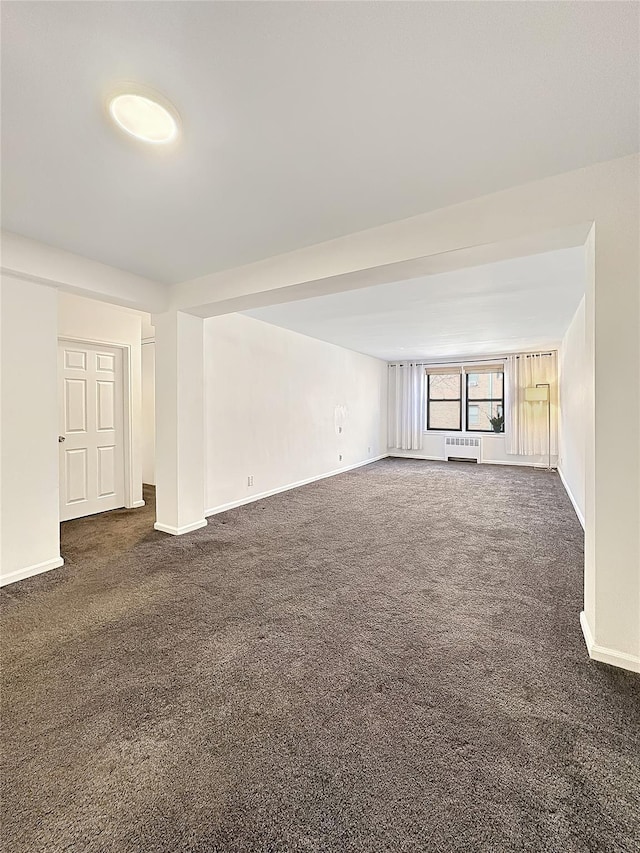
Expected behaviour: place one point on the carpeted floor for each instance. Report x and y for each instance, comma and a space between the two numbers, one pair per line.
388, 660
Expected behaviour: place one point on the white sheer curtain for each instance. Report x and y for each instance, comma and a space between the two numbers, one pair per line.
406, 406
526, 423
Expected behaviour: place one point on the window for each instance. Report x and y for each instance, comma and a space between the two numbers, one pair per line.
444, 400
485, 401
483, 398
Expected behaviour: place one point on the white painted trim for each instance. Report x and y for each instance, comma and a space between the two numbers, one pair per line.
605, 655
572, 499
137, 504
180, 531
234, 504
38, 569
586, 631
129, 489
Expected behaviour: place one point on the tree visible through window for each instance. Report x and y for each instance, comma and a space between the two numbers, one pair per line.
484, 401
444, 401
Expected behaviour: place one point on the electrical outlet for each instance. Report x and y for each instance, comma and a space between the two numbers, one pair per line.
250, 480
339, 429
368, 450
340, 457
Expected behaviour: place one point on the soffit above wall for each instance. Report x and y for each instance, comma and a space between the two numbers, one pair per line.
509, 306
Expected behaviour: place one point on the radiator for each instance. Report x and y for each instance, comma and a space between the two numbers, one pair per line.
456, 447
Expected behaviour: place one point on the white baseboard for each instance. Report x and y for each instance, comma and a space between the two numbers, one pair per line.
261, 495
416, 456
605, 655
541, 465
406, 455
180, 531
38, 569
137, 504
572, 499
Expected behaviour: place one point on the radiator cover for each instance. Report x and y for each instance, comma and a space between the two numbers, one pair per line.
462, 447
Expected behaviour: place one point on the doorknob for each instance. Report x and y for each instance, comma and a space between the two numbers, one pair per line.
61, 438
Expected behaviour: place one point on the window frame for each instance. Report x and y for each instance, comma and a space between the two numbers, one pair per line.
469, 405
499, 400
443, 400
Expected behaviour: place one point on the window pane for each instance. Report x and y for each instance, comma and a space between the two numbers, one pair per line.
479, 414
444, 414
483, 385
444, 386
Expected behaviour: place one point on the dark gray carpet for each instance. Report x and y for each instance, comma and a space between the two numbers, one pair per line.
388, 660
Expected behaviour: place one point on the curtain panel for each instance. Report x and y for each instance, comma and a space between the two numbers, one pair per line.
406, 406
526, 423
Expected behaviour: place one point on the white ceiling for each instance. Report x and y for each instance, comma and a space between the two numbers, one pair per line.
508, 306
302, 121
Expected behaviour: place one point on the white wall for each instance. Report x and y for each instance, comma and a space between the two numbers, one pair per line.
573, 410
29, 529
275, 401
148, 412
493, 445
87, 319
591, 570
493, 450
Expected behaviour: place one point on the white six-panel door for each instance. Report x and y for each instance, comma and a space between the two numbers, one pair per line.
91, 429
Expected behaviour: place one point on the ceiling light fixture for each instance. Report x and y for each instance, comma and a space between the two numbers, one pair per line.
145, 115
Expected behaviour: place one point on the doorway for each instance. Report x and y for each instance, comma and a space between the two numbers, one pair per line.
93, 413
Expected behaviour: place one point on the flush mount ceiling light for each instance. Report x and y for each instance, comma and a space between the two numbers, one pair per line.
144, 115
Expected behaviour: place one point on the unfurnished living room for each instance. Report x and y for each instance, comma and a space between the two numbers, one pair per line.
320, 406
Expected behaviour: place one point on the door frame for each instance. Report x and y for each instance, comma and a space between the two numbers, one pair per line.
127, 410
